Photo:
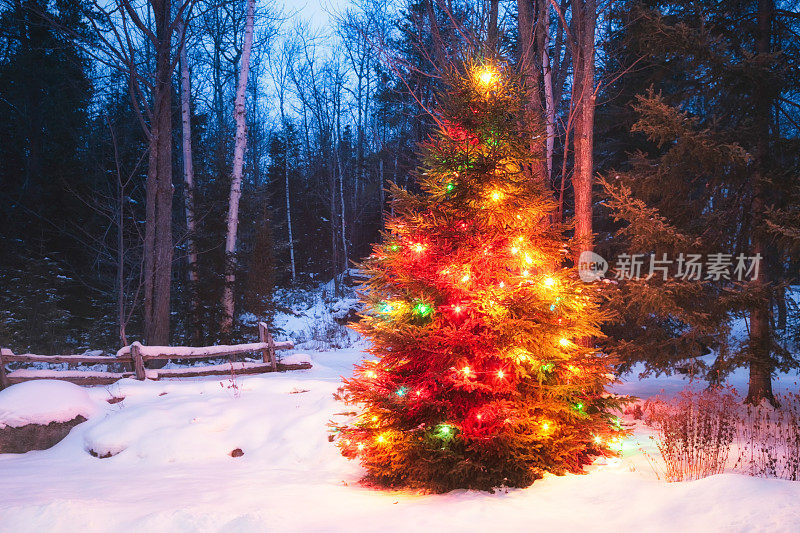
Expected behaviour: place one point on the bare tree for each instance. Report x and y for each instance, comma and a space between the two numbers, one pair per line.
236, 174
280, 64
188, 185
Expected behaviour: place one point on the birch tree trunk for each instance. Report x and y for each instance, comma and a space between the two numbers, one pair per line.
549, 100
188, 184
236, 174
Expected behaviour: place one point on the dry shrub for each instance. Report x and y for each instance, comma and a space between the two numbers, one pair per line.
769, 439
694, 433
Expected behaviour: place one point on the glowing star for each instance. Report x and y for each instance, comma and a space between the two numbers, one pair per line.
466, 370
419, 248
478, 417
457, 309
360, 446
545, 426
496, 196
548, 281
500, 374
564, 342
370, 374
597, 439
465, 278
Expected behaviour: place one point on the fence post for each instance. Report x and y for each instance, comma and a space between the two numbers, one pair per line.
3, 378
138, 363
268, 353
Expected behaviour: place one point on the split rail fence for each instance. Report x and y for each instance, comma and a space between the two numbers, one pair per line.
136, 356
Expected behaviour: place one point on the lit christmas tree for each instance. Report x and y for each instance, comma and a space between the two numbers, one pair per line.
481, 375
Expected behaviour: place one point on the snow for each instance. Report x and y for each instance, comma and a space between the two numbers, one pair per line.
42, 402
201, 351
171, 470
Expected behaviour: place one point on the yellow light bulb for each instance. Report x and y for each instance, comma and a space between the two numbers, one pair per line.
487, 76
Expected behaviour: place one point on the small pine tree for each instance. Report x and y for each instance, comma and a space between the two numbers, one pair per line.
482, 375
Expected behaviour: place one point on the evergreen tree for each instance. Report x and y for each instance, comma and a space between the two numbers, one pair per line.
712, 170
483, 375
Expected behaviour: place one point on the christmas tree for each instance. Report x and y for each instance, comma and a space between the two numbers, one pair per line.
483, 374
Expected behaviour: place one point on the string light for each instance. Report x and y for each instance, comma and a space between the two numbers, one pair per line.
564, 342
370, 374
514, 250
419, 248
457, 309
487, 76
444, 430
545, 426
465, 370
497, 196
360, 446
381, 439
597, 439
465, 278
423, 309
500, 374
549, 281
528, 259
450, 186
401, 391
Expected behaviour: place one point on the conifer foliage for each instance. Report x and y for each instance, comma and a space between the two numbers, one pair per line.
482, 374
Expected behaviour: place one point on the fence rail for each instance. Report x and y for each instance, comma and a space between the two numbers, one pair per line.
136, 355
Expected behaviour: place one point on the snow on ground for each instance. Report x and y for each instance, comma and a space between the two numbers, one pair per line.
172, 471
42, 402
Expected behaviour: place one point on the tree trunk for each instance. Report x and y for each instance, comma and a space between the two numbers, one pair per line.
236, 175
158, 226
761, 364
188, 187
531, 77
584, 18
288, 204
491, 30
549, 100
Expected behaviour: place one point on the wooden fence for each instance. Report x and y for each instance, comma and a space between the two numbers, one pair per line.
136, 355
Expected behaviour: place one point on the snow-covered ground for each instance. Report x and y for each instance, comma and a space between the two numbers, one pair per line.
172, 471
